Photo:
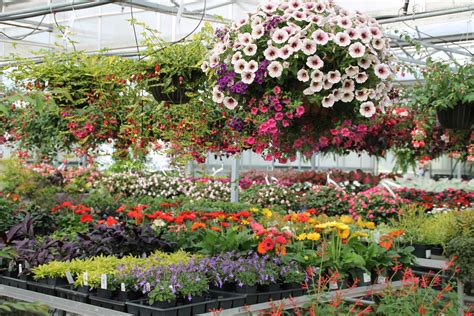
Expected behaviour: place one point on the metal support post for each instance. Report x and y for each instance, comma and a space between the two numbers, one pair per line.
234, 180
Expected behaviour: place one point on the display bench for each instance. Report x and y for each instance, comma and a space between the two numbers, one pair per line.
288, 303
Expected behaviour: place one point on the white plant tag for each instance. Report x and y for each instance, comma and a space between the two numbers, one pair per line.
85, 277
367, 278
69, 277
144, 255
147, 286
333, 286
381, 279
11, 266
27, 265
20, 269
103, 281
428, 254
122, 287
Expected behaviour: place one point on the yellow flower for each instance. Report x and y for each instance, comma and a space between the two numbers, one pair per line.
254, 210
343, 234
360, 234
347, 219
370, 225
245, 222
341, 226
314, 236
360, 223
266, 212
302, 236
312, 221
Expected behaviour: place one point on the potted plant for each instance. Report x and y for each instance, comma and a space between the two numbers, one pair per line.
449, 92
277, 73
173, 69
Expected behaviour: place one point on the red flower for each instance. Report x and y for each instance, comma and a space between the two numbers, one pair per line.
120, 209
87, 218
268, 244
111, 221
280, 240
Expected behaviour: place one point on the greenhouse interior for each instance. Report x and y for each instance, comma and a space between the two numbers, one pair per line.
155, 160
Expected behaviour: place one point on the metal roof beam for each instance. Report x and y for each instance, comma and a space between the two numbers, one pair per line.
28, 24
425, 15
437, 47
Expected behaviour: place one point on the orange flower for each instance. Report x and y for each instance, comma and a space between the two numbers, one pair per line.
397, 233
386, 241
261, 249
216, 229
87, 218
198, 225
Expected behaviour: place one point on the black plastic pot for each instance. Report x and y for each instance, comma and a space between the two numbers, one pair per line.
291, 286
246, 289
57, 281
128, 295
108, 303
437, 251
68, 292
166, 304
107, 294
378, 276
14, 282
142, 308
459, 117
395, 275
422, 251
41, 287
360, 276
227, 300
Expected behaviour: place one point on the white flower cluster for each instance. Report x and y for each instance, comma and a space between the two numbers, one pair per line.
155, 185
211, 190
340, 55
270, 195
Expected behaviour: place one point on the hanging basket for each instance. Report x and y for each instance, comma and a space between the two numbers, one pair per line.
178, 96
460, 117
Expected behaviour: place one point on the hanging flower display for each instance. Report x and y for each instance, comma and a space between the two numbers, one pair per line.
292, 69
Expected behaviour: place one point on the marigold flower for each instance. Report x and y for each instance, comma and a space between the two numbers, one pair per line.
216, 229
302, 236
343, 234
313, 236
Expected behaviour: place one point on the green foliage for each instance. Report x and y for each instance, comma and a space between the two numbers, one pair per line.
8, 213
212, 243
435, 228
35, 308
410, 219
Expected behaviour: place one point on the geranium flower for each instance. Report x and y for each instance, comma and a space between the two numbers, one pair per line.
86, 218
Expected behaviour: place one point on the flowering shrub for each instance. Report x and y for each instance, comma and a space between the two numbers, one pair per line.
376, 204
292, 60
269, 195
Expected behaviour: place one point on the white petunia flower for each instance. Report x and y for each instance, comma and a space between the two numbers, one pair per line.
213, 61
217, 95
361, 77
308, 91
317, 76
205, 66
285, 52
295, 44
314, 62
345, 23
327, 84
364, 63
302, 75
252, 66
245, 38
280, 36
328, 101
375, 32
239, 66
342, 39
236, 57
316, 86
356, 50
347, 97
337, 93
271, 53
378, 43
348, 85
295, 4
248, 77
365, 36
320, 37
250, 50
230, 103
269, 7
317, 19
353, 33
361, 95
382, 71
351, 71
299, 16
367, 109
320, 7
309, 47
333, 76
275, 69
258, 31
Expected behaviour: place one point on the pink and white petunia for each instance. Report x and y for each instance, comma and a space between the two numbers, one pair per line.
320, 37
280, 36
315, 62
271, 53
302, 75
230, 103
308, 47
333, 76
342, 39
356, 50
367, 109
248, 77
382, 71
328, 101
275, 69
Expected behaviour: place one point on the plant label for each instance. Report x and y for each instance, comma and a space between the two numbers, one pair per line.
103, 281
11, 265
144, 255
367, 277
380, 279
122, 287
428, 253
69, 277
85, 277
333, 286
147, 286
27, 265
20, 269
